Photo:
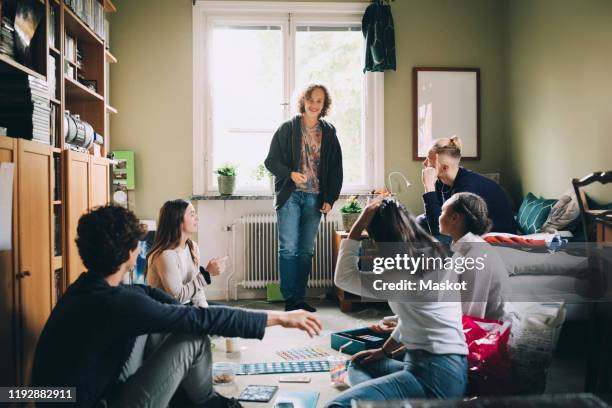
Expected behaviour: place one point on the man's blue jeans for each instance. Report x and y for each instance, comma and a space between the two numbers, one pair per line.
298, 223
421, 375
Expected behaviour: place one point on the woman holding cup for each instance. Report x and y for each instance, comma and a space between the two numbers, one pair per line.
173, 263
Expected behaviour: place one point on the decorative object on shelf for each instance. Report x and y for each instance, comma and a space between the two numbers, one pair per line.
7, 37
350, 212
28, 15
90, 84
226, 177
77, 132
455, 95
260, 172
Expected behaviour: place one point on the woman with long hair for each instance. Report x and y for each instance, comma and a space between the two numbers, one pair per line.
430, 332
306, 160
173, 263
465, 218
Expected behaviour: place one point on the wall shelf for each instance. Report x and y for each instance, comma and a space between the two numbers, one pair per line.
112, 110
9, 65
110, 58
78, 91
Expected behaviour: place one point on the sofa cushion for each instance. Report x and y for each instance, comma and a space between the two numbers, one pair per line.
533, 213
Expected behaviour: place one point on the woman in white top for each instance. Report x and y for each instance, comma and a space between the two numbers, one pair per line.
465, 218
173, 263
435, 363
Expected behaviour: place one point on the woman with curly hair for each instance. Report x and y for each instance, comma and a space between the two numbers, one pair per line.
306, 160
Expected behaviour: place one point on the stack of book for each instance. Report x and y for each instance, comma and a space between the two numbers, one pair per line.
24, 107
91, 12
7, 39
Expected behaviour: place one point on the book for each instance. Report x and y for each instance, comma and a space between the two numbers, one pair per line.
299, 399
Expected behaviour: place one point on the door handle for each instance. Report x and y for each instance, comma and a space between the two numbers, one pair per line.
21, 275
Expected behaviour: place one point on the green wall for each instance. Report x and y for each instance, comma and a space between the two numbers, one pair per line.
560, 92
152, 90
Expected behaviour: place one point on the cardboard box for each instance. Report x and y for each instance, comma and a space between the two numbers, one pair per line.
362, 339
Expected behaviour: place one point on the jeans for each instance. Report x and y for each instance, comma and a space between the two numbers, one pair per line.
298, 223
421, 375
158, 365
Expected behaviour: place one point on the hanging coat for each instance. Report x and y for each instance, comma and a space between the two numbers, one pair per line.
379, 35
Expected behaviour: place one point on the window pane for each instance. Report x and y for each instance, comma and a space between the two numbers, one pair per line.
247, 92
332, 56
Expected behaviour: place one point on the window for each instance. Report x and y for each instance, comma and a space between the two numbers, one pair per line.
248, 68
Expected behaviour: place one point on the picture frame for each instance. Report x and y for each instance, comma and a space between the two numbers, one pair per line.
454, 93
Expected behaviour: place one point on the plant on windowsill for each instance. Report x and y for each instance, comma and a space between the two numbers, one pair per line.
350, 212
260, 172
226, 178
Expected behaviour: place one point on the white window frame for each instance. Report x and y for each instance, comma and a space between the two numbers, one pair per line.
207, 11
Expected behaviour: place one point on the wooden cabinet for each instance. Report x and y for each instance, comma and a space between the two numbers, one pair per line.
8, 269
87, 186
26, 272
44, 259
35, 215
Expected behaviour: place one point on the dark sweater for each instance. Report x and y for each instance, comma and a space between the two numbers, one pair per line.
92, 329
468, 181
284, 157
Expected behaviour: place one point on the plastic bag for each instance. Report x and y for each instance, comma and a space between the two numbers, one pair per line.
489, 368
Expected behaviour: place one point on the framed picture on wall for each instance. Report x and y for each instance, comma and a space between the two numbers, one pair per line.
446, 102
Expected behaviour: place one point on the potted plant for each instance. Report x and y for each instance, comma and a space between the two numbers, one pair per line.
350, 212
226, 177
261, 171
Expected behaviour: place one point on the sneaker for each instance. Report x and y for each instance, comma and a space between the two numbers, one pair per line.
305, 306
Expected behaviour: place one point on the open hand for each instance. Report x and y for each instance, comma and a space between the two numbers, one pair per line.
385, 326
301, 319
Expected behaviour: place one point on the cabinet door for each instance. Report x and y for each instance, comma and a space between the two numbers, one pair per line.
77, 204
8, 262
34, 282
99, 181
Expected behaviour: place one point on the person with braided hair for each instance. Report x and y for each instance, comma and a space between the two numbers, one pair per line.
465, 218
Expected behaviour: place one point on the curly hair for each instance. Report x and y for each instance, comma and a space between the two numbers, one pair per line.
307, 93
105, 237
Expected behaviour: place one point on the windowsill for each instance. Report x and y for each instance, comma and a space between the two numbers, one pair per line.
259, 196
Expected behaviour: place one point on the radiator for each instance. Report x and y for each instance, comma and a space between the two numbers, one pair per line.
259, 236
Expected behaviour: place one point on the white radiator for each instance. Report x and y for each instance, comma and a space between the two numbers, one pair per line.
259, 236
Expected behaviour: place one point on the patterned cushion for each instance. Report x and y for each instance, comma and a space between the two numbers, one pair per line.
533, 213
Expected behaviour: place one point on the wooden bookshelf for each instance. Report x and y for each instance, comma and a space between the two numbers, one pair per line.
81, 179
76, 90
10, 66
78, 29
110, 58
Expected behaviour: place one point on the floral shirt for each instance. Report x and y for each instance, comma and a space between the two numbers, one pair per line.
310, 158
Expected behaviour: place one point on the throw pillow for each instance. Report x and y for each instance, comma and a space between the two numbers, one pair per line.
533, 213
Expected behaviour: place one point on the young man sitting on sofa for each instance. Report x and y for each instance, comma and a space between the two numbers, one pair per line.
443, 176
132, 345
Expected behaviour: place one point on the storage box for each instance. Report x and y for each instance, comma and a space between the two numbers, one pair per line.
362, 339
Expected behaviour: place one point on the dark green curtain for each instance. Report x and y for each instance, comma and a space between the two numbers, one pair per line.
379, 35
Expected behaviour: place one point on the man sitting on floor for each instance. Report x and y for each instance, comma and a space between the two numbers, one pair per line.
132, 345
